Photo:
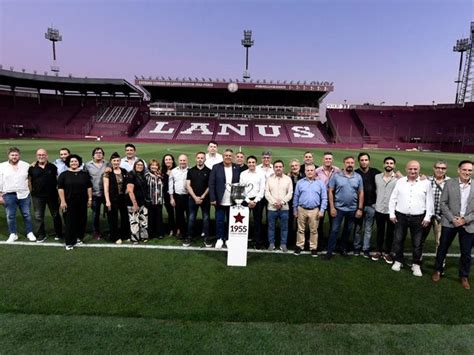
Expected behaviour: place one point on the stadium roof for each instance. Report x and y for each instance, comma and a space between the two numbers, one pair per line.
68, 85
259, 92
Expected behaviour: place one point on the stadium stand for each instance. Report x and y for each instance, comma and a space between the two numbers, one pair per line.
442, 127
195, 111
33, 105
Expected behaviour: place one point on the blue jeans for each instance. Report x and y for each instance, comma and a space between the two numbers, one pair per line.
272, 217
348, 217
365, 223
193, 209
11, 203
222, 222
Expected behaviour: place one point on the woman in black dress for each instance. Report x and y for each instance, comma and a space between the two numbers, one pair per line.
75, 193
155, 200
136, 202
115, 185
168, 164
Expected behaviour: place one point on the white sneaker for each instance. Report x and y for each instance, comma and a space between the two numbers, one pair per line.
69, 247
12, 238
416, 270
397, 266
31, 237
219, 244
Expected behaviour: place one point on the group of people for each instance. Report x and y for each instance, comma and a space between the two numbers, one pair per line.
134, 193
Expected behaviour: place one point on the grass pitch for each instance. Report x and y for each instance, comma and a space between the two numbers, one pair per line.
162, 301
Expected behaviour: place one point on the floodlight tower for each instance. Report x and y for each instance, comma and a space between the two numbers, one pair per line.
465, 80
53, 35
247, 42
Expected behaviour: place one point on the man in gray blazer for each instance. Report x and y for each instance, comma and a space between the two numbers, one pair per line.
457, 217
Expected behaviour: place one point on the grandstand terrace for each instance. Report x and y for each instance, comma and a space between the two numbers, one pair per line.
446, 127
40, 105
240, 112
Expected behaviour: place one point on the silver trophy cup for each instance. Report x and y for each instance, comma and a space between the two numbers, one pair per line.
238, 192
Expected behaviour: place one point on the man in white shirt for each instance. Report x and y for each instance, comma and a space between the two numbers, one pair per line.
179, 194
255, 190
410, 207
266, 166
14, 192
61, 161
222, 175
128, 161
212, 156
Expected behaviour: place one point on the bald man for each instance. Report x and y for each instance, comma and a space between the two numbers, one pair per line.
410, 207
42, 177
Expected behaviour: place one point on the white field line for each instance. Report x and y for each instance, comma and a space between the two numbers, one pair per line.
172, 247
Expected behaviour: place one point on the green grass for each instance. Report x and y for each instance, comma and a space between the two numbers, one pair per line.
99, 335
173, 301
122, 300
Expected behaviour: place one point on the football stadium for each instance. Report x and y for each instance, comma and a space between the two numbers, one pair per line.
166, 294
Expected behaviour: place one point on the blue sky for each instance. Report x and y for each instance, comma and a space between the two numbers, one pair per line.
373, 50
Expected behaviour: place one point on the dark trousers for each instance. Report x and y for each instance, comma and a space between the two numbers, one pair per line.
466, 241
205, 207
384, 232
404, 223
170, 213
292, 227
348, 217
39, 206
76, 220
119, 208
181, 210
155, 221
322, 237
222, 222
97, 202
257, 213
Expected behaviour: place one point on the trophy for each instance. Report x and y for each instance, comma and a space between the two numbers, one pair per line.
238, 192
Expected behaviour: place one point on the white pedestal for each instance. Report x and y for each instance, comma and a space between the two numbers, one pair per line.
238, 236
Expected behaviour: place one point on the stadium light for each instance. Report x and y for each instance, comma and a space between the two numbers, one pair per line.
53, 36
462, 46
247, 42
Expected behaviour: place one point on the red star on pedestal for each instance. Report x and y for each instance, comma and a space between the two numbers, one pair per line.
239, 218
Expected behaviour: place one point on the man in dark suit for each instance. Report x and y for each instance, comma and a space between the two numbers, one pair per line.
457, 217
222, 174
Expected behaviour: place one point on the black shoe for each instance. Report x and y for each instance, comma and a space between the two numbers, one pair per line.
297, 251
40, 240
344, 253
187, 242
314, 253
366, 254
356, 253
327, 257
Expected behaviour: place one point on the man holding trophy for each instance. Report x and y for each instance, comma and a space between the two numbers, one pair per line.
222, 174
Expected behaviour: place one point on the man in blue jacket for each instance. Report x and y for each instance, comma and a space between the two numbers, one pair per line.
222, 174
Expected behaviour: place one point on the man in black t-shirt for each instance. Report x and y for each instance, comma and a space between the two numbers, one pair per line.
363, 226
42, 176
197, 184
